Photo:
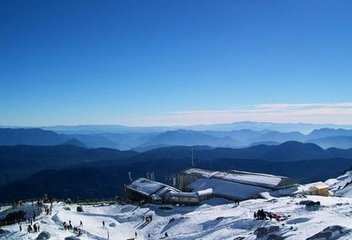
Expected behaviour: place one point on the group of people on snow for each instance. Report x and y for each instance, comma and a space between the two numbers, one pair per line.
68, 226
35, 228
261, 215
31, 227
166, 235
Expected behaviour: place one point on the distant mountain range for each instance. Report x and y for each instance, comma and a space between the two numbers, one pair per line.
72, 171
30, 136
85, 162
20, 161
256, 126
343, 142
143, 141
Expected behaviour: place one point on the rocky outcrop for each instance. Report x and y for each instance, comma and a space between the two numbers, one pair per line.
332, 232
43, 236
267, 233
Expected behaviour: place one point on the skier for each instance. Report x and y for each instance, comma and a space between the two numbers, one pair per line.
80, 224
103, 223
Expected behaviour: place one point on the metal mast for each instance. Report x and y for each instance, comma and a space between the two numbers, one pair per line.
192, 158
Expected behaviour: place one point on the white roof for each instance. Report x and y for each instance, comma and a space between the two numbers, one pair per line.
201, 172
312, 187
318, 185
205, 192
257, 179
183, 194
146, 187
308, 185
250, 178
227, 189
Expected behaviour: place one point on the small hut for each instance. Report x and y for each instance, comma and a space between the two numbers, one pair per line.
319, 188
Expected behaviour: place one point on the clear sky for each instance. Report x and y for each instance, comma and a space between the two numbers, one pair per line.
175, 62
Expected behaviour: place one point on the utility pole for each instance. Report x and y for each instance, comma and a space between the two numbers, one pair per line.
192, 158
129, 175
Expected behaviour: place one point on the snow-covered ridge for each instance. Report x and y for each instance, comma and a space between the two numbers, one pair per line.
342, 185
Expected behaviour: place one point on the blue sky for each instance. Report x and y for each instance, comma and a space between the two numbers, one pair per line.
174, 62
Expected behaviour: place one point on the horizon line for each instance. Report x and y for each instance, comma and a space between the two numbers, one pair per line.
171, 126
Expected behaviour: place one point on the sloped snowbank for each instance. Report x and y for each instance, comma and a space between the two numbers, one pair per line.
342, 185
215, 219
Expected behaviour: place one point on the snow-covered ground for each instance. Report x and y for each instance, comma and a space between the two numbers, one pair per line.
214, 219
341, 186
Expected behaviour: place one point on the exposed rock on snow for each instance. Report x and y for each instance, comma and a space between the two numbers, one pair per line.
72, 238
267, 231
275, 237
261, 232
2, 232
332, 232
43, 236
79, 209
313, 206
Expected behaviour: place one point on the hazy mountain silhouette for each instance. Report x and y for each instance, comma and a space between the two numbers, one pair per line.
188, 138
246, 137
68, 170
256, 126
74, 142
19, 161
108, 181
30, 136
143, 141
329, 132
343, 142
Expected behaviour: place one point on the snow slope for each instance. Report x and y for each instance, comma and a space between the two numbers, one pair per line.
215, 219
341, 186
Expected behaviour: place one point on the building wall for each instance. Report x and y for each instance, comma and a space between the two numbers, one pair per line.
323, 192
205, 197
135, 196
183, 200
183, 180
